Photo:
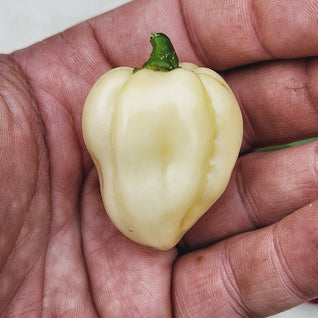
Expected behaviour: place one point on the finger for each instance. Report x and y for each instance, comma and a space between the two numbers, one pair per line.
127, 279
279, 101
265, 187
219, 35
235, 33
255, 274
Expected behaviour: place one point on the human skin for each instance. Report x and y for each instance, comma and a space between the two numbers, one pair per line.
254, 253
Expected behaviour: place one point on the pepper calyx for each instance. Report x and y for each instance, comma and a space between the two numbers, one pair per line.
163, 56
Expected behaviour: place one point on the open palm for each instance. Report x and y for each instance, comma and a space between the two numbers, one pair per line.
253, 254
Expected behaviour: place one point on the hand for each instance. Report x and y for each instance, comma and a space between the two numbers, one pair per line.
253, 254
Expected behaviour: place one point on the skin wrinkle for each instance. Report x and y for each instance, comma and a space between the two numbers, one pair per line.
275, 265
260, 77
250, 138
257, 29
89, 298
102, 49
301, 86
191, 34
287, 279
247, 200
28, 88
39, 255
18, 286
12, 72
231, 285
310, 188
194, 42
308, 86
305, 88
69, 118
72, 49
4, 104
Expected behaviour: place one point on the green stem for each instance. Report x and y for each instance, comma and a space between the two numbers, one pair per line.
163, 56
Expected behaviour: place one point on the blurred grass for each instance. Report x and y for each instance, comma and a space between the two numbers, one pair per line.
292, 144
